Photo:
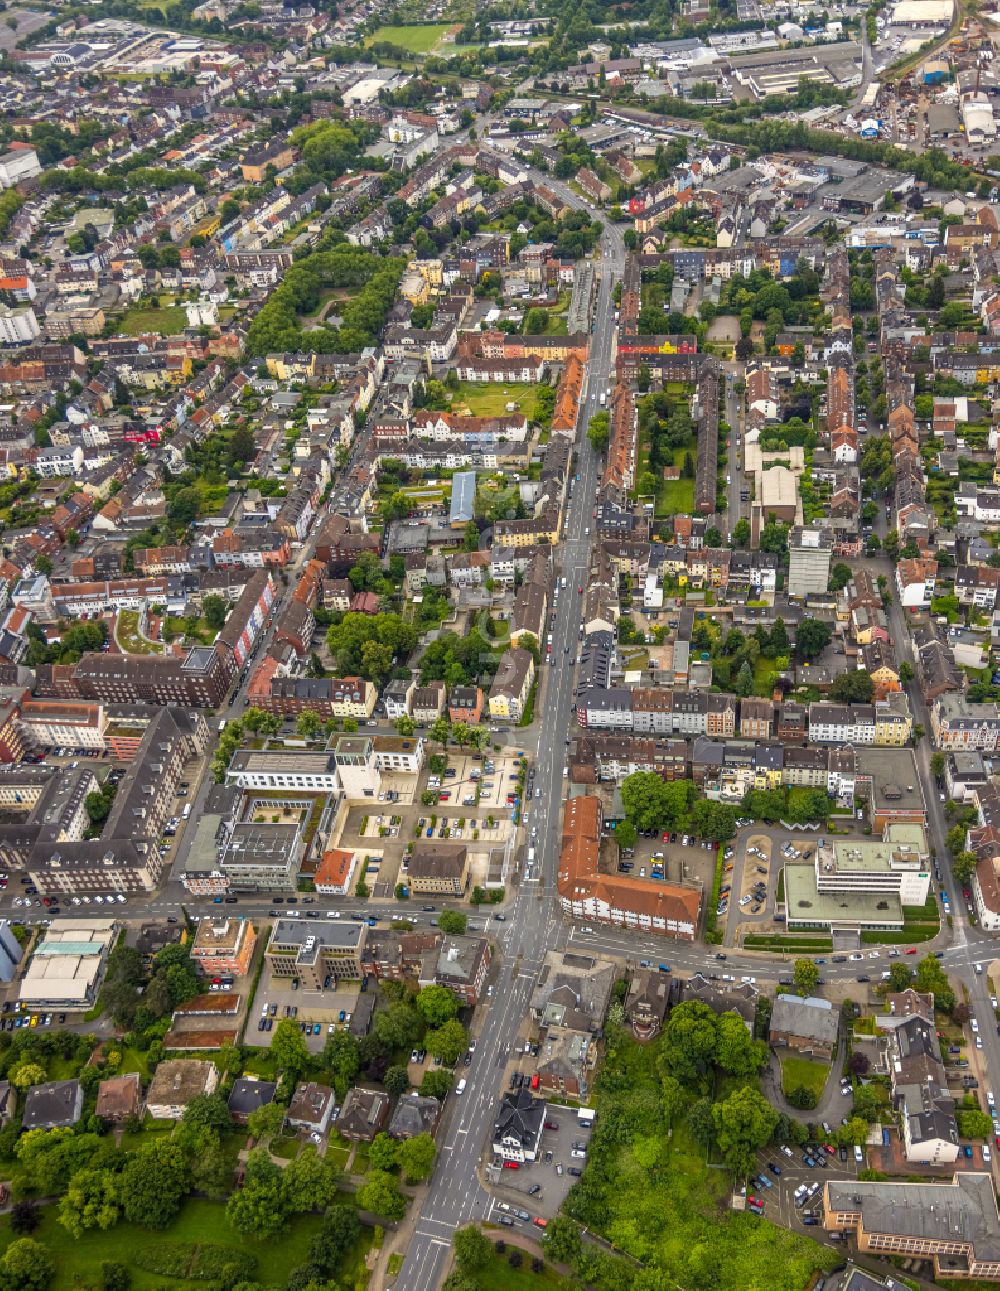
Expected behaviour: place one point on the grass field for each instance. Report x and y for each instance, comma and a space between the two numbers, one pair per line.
489, 400
417, 39
127, 635
676, 497
499, 1276
803, 1071
78, 1261
167, 321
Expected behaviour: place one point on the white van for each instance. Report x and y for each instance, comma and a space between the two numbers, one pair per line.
187, 810
460, 1087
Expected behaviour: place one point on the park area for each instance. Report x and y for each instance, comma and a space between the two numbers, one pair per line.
416, 38
128, 636
198, 1245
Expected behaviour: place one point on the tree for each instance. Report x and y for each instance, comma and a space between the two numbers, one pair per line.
447, 1042
380, 1194
900, 977
691, 1036
840, 576
812, 636
24, 1218
26, 1266
930, 978
27, 1074
154, 1181
736, 1050
258, 1208
744, 1123
417, 1157
743, 686
436, 1084
453, 921
741, 532
208, 1111
599, 430
701, 1123
937, 764
184, 506
858, 1063
626, 835
115, 1276
341, 1055
92, 1200
854, 1133
396, 1081
473, 1250
437, 1005
265, 1122
806, 976
213, 609
405, 726
964, 866
289, 1047
384, 1152
868, 1103
341, 1229
906, 673
43, 565
308, 725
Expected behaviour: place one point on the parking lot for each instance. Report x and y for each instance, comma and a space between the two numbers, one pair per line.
308, 1008
556, 1150
660, 860
780, 1202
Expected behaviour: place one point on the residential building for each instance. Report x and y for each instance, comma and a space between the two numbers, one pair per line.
512, 685
810, 550
53, 1106
807, 1026
175, 1083
223, 946
438, 868
316, 949
517, 1130
365, 1113
312, 1108
118, 1098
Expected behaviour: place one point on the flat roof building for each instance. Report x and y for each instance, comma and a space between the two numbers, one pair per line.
68, 964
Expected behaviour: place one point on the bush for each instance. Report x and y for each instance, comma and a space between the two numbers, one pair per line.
192, 1260
801, 1096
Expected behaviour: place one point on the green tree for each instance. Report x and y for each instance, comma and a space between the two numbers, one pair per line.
405, 726
396, 1081
265, 1122
258, 1208
691, 1037
470, 538
207, 1110
964, 866
447, 1042
736, 1051
937, 764
744, 1123
213, 609
380, 1194
26, 1266
384, 1152
436, 1084
154, 1182
474, 1250
812, 636
92, 1200
289, 1047
599, 430
741, 532
626, 835
437, 1005
900, 977
453, 921
341, 1055
308, 725
806, 976
417, 1157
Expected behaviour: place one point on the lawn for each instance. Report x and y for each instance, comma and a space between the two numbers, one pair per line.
803, 1071
499, 1276
676, 497
286, 1148
127, 635
488, 399
416, 39
78, 1261
167, 321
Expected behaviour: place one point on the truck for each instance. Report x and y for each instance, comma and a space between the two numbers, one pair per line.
531, 856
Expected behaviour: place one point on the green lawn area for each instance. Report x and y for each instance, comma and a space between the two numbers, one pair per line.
168, 321
499, 1276
803, 1071
676, 497
78, 1261
487, 399
286, 1148
127, 635
418, 38
764, 674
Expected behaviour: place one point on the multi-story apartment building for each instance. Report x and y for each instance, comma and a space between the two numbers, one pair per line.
314, 950
224, 946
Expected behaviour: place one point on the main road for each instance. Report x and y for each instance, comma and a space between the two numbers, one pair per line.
456, 1196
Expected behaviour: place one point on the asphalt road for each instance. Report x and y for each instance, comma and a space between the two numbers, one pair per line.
532, 925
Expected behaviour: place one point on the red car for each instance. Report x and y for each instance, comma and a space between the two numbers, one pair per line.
512, 1165
828, 1147
580, 590
912, 950
540, 1222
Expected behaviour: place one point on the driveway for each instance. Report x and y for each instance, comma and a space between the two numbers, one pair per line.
832, 1106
